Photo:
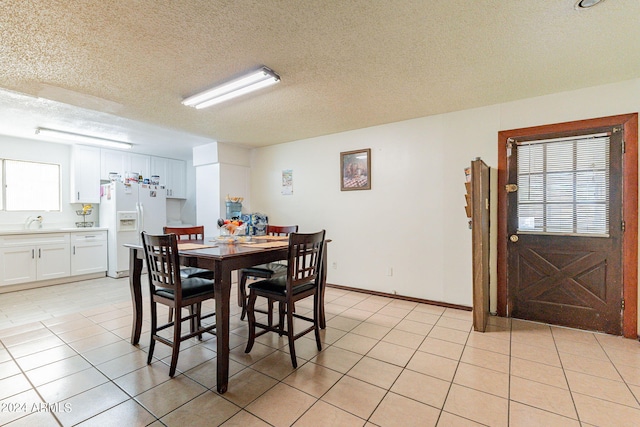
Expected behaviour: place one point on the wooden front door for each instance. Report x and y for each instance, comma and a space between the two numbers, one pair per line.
565, 227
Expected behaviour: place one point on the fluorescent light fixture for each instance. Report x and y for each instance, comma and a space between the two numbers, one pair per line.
69, 137
242, 85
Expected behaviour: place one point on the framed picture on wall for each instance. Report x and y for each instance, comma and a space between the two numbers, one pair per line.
355, 170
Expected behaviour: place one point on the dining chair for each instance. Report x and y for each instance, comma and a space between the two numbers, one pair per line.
167, 287
301, 281
263, 271
186, 271
190, 233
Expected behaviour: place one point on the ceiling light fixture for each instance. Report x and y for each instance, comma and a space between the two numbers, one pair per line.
68, 137
242, 85
585, 4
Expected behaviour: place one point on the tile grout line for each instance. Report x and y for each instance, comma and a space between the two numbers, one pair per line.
617, 370
564, 373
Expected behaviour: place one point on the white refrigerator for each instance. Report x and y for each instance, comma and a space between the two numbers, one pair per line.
127, 210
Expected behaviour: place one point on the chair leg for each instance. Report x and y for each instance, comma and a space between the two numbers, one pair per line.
192, 321
292, 347
317, 316
199, 319
177, 326
242, 294
170, 317
154, 331
196, 322
281, 312
251, 318
269, 312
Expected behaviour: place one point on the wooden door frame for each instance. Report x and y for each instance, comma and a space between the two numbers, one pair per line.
629, 209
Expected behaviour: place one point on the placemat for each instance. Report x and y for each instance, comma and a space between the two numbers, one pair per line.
191, 246
271, 237
267, 245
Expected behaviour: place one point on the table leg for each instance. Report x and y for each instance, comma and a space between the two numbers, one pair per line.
135, 270
222, 287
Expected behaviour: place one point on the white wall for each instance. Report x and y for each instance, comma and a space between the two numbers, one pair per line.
413, 218
220, 170
208, 196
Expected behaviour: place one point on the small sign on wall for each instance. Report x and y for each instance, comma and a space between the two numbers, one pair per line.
287, 182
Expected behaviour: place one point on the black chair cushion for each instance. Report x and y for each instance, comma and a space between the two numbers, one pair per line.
190, 287
188, 272
278, 286
266, 270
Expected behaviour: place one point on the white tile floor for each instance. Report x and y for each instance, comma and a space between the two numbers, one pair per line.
65, 360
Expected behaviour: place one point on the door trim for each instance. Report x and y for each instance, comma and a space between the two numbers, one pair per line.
629, 209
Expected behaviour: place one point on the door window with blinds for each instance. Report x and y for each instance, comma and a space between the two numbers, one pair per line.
563, 186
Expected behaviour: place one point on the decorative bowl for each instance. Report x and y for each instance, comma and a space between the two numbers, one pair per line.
226, 239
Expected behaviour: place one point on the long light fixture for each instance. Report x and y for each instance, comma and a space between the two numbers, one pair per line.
242, 85
69, 137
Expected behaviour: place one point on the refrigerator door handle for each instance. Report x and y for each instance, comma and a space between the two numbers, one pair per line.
138, 219
141, 215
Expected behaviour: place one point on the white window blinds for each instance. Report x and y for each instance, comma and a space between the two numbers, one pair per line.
32, 186
563, 185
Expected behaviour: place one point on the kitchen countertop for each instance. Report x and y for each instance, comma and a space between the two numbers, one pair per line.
51, 230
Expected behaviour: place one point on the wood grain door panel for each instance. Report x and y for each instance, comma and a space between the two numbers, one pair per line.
577, 288
569, 279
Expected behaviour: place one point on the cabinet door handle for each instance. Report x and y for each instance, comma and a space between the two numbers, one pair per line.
78, 195
74, 249
39, 253
33, 253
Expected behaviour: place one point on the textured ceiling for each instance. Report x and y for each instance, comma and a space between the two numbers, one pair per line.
121, 68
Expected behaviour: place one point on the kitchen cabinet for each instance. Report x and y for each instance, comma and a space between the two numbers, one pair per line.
178, 179
85, 174
139, 163
88, 252
172, 173
112, 161
159, 168
121, 162
33, 257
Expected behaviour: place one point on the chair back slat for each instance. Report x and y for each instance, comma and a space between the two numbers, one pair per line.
186, 233
281, 230
305, 253
161, 254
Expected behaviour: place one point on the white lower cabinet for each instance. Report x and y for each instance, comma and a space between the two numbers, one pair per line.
28, 258
45, 256
88, 252
18, 265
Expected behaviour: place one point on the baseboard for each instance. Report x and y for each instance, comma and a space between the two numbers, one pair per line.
51, 282
401, 297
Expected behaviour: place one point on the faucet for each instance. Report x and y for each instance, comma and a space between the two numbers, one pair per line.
30, 220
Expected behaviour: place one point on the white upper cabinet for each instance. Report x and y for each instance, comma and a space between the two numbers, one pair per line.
178, 178
85, 174
172, 174
112, 161
121, 162
140, 164
159, 167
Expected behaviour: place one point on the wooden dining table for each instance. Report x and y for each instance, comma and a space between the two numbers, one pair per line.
222, 259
